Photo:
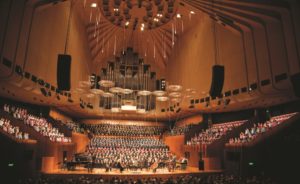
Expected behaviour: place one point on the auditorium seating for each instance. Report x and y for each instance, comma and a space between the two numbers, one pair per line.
215, 132
40, 125
180, 130
188, 179
125, 130
251, 134
73, 126
132, 152
11, 130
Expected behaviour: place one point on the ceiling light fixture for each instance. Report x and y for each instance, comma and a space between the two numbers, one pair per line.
178, 15
192, 12
93, 5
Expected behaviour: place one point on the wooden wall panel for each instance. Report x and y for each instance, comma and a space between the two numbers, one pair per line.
58, 115
81, 141
195, 119
231, 55
11, 22
175, 144
4, 17
47, 40
193, 57
42, 38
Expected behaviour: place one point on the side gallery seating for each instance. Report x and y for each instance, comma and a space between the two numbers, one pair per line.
252, 133
14, 131
213, 133
37, 123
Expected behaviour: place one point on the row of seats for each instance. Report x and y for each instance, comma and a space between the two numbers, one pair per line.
13, 130
180, 130
250, 134
37, 123
73, 126
125, 130
188, 179
126, 142
213, 133
130, 152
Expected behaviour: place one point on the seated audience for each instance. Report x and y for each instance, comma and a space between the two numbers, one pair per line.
213, 133
38, 124
188, 179
75, 127
12, 130
180, 130
250, 134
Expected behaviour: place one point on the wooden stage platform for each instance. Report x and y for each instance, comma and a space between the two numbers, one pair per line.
160, 173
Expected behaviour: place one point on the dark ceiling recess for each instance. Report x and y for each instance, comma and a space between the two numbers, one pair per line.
265, 82
253, 86
280, 77
6, 62
236, 92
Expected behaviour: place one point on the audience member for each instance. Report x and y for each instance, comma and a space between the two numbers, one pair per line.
180, 130
250, 134
38, 124
213, 133
188, 179
7, 127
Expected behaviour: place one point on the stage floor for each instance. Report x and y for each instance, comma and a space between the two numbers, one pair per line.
161, 173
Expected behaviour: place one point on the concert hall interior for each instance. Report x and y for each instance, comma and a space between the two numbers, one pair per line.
149, 91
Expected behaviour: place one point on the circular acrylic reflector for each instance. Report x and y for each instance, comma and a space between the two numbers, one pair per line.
159, 93
90, 95
175, 100
144, 93
174, 88
107, 95
127, 91
162, 98
116, 90
106, 83
175, 95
